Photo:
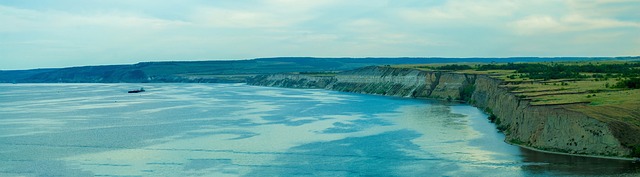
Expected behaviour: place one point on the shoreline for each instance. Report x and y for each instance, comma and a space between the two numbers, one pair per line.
577, 155
633, 159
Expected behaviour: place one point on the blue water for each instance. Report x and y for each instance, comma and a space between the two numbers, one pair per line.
240, 130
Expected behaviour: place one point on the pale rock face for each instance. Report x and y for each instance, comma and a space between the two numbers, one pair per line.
552, 128
291, 81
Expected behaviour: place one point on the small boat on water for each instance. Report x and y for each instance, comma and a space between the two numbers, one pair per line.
136, 91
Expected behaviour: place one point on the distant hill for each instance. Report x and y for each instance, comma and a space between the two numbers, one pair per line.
229, 71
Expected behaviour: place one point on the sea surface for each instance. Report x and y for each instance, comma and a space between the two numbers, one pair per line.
240, 130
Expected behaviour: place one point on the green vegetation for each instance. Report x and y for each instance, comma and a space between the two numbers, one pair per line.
453, 67
499, 124
320, 73
636, 152
517, 141
631, 83
492, 118
466, 92
560, 71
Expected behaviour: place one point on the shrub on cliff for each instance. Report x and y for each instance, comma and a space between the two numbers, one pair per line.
466, 91
636, 152
499, 126
492, 118
454, 67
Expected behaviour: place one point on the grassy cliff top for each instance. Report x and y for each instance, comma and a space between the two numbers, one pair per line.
606, 90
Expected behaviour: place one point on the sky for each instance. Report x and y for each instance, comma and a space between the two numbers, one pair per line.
61, 33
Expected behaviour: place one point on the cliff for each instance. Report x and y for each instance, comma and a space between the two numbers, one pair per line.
557, 128
377, 80
550, 127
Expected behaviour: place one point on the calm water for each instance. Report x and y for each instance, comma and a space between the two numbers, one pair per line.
239, 130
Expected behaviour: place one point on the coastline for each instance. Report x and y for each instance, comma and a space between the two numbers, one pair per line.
519, 145
516, 116
577, 155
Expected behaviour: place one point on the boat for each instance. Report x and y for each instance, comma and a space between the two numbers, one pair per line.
136, 91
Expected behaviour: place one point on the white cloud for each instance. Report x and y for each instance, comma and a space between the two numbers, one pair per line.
68, 33
235, 19
604, 8
226, 18
460, 10
537, 24
25, 19
298, 5
581, 15
544, 24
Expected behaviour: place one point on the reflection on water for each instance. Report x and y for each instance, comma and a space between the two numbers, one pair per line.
239, 130
547, 164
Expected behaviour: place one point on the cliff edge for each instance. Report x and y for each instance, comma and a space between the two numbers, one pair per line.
556, 128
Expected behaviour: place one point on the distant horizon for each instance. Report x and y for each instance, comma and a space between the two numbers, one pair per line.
311, 57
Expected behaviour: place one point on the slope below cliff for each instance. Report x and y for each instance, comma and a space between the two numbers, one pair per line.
557, 128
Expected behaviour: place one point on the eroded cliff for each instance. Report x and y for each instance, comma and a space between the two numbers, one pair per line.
555, 128
377, 80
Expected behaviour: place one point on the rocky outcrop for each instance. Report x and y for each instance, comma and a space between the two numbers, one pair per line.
553, 128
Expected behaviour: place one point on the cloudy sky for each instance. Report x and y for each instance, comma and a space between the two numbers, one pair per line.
58, 33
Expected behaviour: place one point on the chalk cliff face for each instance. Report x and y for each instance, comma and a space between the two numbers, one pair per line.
291, 81
552, 128
376, 80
